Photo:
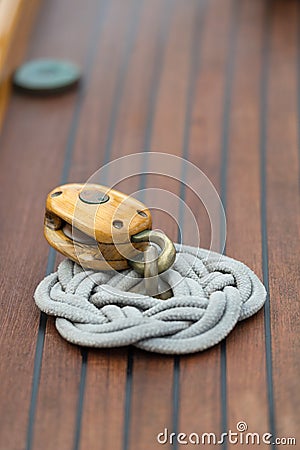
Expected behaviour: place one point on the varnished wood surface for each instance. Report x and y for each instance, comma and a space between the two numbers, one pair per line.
16, 21
214, 82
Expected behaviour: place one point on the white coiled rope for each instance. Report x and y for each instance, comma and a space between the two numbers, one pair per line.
211, 293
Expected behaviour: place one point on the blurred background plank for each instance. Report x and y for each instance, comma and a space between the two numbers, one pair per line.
218, 84
16, 21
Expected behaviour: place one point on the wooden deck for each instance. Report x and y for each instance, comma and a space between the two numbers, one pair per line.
218, 83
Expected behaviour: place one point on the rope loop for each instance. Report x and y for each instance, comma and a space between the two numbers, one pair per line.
211, 293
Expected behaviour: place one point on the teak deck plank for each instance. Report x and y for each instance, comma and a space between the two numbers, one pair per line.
24, 156
112, 30
200, 374
218, 84
16, 21
282, 211
130, 123
246, 390
154, 378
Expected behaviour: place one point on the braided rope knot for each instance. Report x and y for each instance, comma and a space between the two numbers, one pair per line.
211, 293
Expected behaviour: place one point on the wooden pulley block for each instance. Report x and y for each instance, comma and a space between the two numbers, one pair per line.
95, 226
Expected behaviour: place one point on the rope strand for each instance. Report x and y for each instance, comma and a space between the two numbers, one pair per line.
211, 293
